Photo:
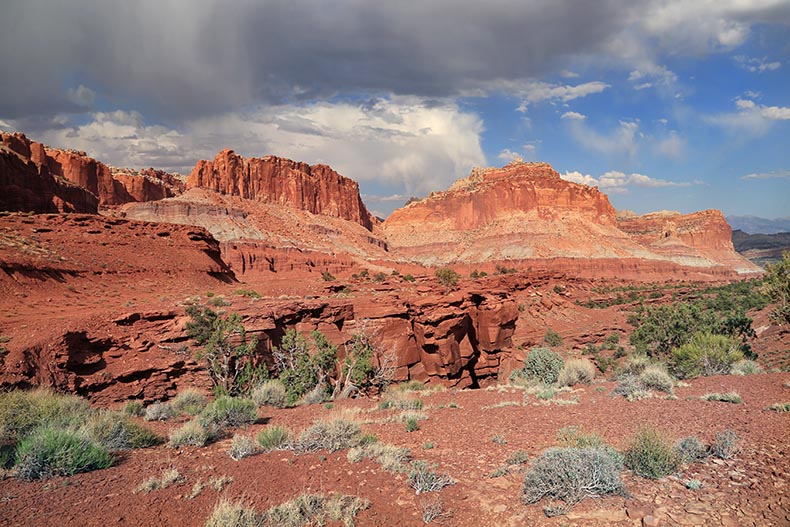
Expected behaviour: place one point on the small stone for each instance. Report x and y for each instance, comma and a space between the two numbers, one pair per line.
651, 521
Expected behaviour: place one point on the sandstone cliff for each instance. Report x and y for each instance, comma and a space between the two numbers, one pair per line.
26, 184
701, 238
57, 171
317, 189
521, 211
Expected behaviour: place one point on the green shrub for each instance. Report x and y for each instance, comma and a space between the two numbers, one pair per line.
52, 452
517, 457
115, 431
249, 293
412, 424
706, 354
576, 371
328, 435
192, 433
271, 393
273, 438
226, 350
689, 450
746, 367
571, 475
21, 412
779, 407
241, 447
729, 397
299, 369
552, 338
409, 277
229, 412
651, 455
189, 401
542, 364
725, 444
656, 377
776, 285
423, 478
134, 408
327, 276
447, 277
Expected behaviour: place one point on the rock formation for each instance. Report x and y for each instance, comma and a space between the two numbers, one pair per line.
700, 239
60, 170
317, 189
29, 186
521, 211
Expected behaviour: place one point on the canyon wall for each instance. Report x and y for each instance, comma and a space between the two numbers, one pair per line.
317, 189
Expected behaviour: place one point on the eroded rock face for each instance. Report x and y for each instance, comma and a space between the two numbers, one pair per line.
57, 170
701, 238
521, 211
317, 189
29, 186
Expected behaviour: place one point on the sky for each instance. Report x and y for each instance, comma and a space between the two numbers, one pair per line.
663, 104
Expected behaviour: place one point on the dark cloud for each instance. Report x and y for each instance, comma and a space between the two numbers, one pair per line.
175, 59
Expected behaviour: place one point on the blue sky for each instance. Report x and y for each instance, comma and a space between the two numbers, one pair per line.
670, 104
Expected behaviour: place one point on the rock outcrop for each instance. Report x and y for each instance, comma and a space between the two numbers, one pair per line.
522, 211
57, 171
699, 239
28, 185
317, 189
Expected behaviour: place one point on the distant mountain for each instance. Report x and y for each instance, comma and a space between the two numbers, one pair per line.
761, 248
756, 225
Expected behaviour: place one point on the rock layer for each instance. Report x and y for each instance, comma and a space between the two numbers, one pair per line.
48, 186
317, 189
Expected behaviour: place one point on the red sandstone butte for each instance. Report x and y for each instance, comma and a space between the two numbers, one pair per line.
317, 188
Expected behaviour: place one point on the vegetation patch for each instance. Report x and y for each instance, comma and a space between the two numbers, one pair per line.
328, 435
541, 364
424, 478
729, 397
706, 354
50, 452
391, 458
651, 455
725, 444
271, 393
779, 407
690, 450
273, 438
576, 371
566, 476
242, 446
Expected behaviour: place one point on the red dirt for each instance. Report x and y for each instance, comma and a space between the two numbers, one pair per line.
750, 489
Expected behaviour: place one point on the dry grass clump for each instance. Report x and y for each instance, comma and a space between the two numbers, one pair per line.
227, 513
656, 377
576, 371
192, 433
315, 509
566, 476
651, 455
271, 393
423, 478
169, 477
241, 447
391, 458
779, 407
328, 435
729, 397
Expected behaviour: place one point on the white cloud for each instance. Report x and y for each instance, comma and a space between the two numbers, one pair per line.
643, 86
778, 174
755, 119
568, 74
533, 92
621, 141
578, 177
616, 182
399, 142
757, 64
573, 115
509, 155
671, 146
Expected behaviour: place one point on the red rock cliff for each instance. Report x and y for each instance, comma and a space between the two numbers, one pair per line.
707, 229
317, 189
28, 185
109, 185
524, 210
